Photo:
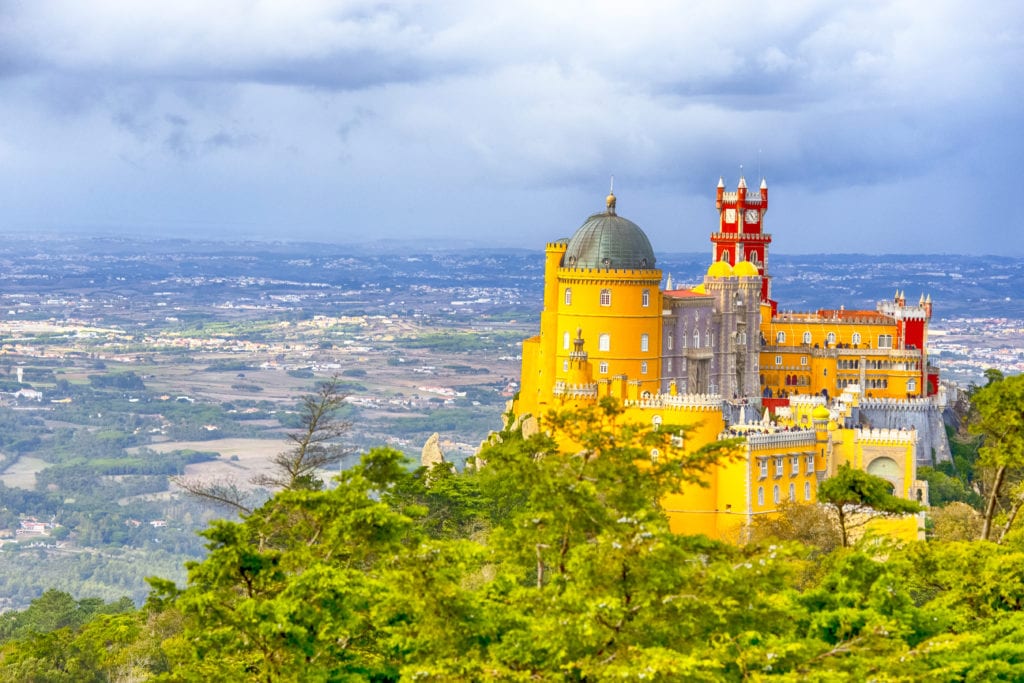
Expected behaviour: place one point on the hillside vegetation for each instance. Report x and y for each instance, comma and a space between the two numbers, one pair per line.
535, 565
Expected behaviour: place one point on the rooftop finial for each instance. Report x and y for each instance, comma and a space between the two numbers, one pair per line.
610, 199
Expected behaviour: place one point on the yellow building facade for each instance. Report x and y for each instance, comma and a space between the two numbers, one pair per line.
698, 357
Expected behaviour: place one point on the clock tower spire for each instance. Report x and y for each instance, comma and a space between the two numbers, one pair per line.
740, 235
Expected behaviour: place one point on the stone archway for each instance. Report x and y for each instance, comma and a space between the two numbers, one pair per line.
890, 470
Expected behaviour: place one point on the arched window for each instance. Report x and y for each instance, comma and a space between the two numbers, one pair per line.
604, 342
565, 340
603, 367
606, 297
792, 492
726, 257
696, 339
645, 298
645, 343
831, 338
775, 493
568, 296
656, 422
855, 338
780, 338
654, 455
807, 490
565, 366
760, 495
669, 341
643, 367
807, 338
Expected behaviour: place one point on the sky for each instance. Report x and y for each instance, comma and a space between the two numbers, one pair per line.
880, 127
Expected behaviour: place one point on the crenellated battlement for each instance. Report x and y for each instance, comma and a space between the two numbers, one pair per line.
905, 404
698, 402
775, 440
750, 200
887, 437
564, 390
807, 400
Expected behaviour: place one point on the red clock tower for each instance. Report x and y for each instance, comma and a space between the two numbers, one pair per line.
739, 236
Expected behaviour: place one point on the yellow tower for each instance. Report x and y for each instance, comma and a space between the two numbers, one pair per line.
602, 296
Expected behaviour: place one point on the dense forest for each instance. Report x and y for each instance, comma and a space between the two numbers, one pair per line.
533, 564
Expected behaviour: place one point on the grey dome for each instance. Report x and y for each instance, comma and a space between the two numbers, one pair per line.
608, 241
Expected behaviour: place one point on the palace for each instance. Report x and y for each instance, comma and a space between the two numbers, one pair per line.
808, 391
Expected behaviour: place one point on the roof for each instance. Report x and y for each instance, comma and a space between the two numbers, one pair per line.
609, 241
683, 294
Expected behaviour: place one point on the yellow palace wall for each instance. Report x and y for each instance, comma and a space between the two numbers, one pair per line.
882, 372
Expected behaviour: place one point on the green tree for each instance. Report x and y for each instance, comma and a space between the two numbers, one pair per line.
997, 416
857, 497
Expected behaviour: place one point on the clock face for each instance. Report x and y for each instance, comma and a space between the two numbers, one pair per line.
751, 216
730, 215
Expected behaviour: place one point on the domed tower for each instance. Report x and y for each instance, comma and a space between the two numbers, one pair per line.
601, 286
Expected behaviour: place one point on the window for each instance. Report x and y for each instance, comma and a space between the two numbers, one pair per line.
654, 455
911, 386
778, 360
775, 493
565, 340
780, 338
645, 298
810, 463
656, 422
565, 366
604, 342
711, 339
696, 339
606, 297
831, 338
807, 490
763, 463
885, 341
643, 367
807, 337
855, 338
644, 343
794, 465
803, 360
741, 338
668, 365
760, 495
792, 492
669, 341
568, 296
603, 367
779, 467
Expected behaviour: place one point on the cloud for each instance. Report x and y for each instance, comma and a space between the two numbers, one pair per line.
402, 103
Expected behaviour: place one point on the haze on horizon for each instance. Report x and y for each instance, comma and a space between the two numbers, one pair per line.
882, 127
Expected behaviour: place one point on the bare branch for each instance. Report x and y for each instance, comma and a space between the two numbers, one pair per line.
221, 492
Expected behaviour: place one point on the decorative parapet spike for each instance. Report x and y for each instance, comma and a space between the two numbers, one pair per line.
885, 436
